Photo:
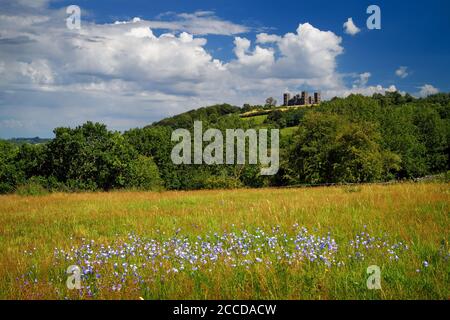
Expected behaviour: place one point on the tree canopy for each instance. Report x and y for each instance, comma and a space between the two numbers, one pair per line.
353, 139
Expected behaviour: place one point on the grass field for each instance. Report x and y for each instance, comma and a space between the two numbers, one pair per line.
308, 243
289, 131
257, 120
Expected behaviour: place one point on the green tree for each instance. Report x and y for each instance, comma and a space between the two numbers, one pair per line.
331, 148
401, 136
30, 159
433, 133
10, 175
143, 174
89, 157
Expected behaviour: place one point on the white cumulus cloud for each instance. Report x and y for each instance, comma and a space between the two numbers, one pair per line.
362, 80
350, 27
125, 74
197, 23
426, 90
306, 55
402, 72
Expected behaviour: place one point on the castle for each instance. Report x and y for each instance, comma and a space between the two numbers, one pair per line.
301, 99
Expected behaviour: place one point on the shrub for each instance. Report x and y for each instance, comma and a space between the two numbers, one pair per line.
143, 174
222, 182
33, 187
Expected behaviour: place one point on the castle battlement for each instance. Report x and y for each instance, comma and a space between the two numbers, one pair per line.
301, 99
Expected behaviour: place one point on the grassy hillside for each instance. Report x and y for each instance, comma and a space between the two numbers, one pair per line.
285, 132
258, 244
210, 114
258, 120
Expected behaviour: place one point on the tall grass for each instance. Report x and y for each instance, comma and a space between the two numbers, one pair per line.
39, 236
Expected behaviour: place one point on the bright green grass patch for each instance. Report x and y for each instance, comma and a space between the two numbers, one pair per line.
257, 120
285, 132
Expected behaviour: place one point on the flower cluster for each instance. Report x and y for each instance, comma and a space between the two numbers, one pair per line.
135, 256
144, 261
364, 244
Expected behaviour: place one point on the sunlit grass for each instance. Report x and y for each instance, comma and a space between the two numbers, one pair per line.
417, 215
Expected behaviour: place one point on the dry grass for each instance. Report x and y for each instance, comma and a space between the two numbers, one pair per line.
417, 214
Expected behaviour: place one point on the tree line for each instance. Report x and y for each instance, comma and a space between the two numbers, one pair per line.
345, 140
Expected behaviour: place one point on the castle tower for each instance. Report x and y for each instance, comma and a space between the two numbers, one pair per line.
297, 100
317, 98
286, 98
305, 98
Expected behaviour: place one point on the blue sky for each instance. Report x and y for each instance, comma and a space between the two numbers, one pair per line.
181, 55
412, 31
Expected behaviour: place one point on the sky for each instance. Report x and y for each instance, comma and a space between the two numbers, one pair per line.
135, 62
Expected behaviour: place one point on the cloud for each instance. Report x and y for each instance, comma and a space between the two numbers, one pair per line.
124, 74
197, 23
258, 59
267, 38
402, 72
11, 123
350, 27
362, 80
364, 90
307, 55
427, 90
38, 71
33, 3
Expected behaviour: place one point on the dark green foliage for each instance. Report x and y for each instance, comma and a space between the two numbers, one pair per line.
401, 136
442, 99
354, 107
30, 159
284, 119
89, 157
143, 174
433, 134
86, 158
155, 142
356, 139
392, 98
332, 149
10, 175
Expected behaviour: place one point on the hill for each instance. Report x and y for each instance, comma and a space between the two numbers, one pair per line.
257, 117
35, 140
356, 139
208, 114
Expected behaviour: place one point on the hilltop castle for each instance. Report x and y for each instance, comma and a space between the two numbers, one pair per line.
301, 99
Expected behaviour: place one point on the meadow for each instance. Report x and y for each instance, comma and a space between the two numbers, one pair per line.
296, 243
